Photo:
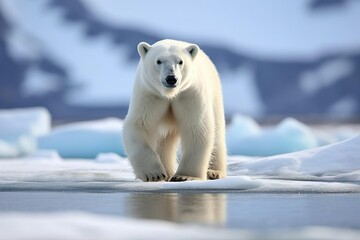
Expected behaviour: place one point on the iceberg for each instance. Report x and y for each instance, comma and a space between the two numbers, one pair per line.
333, 169
25, 131
19, 129
85, 139
245, 137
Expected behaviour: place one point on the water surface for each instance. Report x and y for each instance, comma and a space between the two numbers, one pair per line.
230, 210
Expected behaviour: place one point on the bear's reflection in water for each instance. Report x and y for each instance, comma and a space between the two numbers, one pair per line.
202, 208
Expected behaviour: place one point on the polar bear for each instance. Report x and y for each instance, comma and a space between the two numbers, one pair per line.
177, 95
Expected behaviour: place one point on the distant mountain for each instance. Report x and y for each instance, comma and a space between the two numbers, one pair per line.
325, 87
13, 71
327, 4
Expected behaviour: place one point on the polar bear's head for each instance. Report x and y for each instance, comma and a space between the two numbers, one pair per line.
167, 65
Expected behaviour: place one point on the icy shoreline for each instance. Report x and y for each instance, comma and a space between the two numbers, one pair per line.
330, 169
253, 185
27, 131
88, 156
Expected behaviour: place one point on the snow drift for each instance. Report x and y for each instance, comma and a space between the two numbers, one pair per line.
333, 168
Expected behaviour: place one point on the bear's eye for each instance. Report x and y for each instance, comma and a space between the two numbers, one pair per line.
180, 62
158, 62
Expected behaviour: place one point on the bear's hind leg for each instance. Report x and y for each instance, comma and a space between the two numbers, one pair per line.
217, 164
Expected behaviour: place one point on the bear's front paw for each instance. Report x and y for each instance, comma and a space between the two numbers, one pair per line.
214, 174
153, 177
181, 178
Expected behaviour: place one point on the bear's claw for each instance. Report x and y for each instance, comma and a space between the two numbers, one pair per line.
213, 174
154, 178
177, 179
182, 178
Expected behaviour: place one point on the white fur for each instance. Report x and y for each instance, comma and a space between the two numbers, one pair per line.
158, 116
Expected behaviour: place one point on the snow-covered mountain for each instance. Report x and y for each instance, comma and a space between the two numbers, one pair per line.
78, 57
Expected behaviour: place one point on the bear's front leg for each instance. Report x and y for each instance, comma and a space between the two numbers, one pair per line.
167, 152
197, 141
145, 162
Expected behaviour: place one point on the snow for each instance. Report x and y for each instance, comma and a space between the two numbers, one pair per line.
333, 168
273, 29
85, 139
228, 25
343, 108
79, 225
24, 131
22, 46
19, 129
34, 121
240, 87
325, 163
245, 137
39, 83
326, 75
90, 155
102, 84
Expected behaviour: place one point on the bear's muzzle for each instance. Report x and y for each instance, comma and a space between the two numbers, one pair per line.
170, 81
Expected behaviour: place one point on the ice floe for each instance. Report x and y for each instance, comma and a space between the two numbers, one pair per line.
332, 168
79, 225
24, 131
85, 139
19, 129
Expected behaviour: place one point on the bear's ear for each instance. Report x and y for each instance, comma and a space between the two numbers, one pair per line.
193, 50
143, 48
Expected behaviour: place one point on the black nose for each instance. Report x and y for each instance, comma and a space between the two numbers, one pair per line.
171, 80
